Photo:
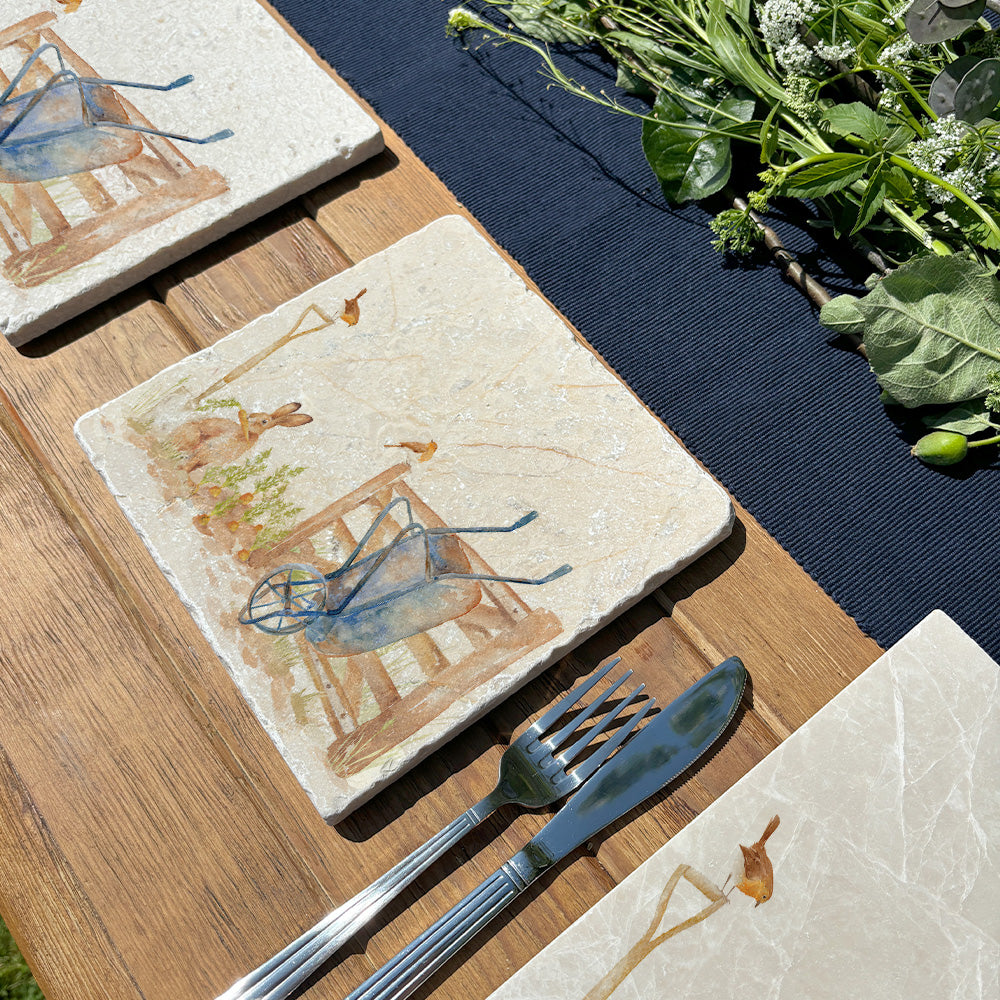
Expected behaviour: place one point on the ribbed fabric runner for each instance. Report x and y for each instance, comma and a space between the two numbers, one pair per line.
732, 358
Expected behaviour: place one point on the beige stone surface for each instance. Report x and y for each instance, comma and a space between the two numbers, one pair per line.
85, 212
457, 389
886, 860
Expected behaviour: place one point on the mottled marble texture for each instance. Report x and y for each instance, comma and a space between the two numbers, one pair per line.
457, 387
886, 860
80, 235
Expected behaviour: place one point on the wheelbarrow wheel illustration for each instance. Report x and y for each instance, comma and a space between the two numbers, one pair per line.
420, 579
286, 600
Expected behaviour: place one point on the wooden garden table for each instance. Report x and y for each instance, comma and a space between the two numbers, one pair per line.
154, 842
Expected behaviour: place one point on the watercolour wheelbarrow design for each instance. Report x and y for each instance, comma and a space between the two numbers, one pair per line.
421, 579
71, 124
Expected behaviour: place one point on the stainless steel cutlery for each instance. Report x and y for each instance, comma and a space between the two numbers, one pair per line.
534, 772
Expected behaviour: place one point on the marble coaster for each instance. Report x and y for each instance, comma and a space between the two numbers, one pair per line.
885, 862
350, 435
100, 183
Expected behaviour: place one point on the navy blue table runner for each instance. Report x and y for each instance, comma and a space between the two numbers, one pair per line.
731, 358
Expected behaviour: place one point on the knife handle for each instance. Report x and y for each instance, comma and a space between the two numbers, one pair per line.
401, 975
282, 974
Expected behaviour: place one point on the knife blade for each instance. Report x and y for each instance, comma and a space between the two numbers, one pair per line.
664, 748
669, 743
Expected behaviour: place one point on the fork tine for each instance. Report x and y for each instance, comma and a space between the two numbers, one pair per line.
588, 737
556, 741
596, 759
565, 704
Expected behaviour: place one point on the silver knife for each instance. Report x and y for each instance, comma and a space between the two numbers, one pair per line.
667, 745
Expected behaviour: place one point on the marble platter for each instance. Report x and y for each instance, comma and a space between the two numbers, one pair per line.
886, 859
89, 204
429, 378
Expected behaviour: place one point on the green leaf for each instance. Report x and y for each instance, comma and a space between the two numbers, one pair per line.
968, 419
843, 315
630, 81
898, 185
546, 22
690, 162
732, 40
941, 94
769, 135
857, 119
979, 92
973, 227
898, 138
16, 981
647, 50
837, 171
931, 329
872, 199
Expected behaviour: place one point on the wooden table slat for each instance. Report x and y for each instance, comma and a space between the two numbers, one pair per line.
224, 287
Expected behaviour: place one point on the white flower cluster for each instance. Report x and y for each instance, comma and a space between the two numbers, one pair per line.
897, 12
898, 52
780, 21
841, 52
945, 154
779, 27
896, 55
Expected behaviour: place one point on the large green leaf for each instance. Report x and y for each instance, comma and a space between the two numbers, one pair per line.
931, 329
736, 47
857, 119
555, 21
647, 50
832, 172
689, 159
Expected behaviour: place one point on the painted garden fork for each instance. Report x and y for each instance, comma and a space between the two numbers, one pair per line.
534, 772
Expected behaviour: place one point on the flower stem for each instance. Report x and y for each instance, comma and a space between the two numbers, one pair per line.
982, 441
924, 106
925, 175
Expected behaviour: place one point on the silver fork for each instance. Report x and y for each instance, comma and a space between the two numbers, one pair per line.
532, 774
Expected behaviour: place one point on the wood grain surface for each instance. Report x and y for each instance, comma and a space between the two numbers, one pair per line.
155, 843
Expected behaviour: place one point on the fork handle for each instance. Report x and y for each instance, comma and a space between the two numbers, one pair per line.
400, 976
279, 976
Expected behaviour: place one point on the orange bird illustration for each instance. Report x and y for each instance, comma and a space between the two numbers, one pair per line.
757, 880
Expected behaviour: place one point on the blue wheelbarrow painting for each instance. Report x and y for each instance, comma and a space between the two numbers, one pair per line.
71, 123
421, 579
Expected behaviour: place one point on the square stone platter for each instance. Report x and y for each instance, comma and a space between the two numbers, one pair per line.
886, 858
308, 485
93, 201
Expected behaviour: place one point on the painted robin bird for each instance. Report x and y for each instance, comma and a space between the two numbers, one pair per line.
757, 880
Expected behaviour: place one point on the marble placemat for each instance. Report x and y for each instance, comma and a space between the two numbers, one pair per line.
885, 862
428, 381
93, 201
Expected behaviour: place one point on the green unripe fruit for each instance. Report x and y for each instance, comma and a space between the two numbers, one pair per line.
941, 448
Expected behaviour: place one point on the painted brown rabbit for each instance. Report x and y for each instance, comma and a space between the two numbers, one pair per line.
220, 441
